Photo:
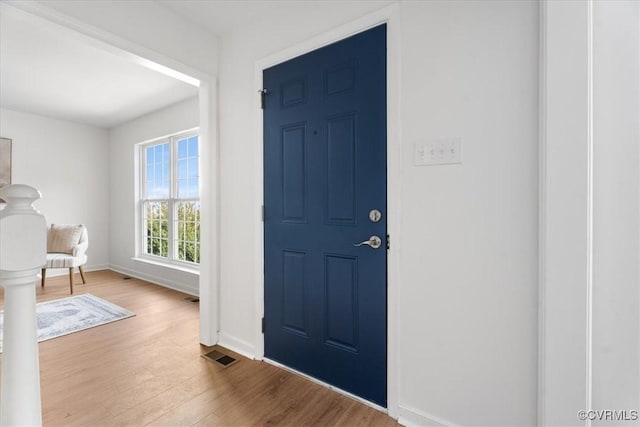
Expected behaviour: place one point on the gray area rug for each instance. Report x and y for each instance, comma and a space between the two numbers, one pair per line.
67, 315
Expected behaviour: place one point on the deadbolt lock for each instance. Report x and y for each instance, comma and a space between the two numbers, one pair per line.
375, 215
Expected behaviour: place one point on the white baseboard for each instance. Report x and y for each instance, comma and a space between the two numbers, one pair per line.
239, 346
155, 280
411, 417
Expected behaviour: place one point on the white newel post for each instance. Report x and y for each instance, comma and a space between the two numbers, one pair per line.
23, 249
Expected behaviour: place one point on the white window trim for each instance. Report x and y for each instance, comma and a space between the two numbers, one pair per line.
171, 260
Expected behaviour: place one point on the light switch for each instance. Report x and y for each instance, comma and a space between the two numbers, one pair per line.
443, 151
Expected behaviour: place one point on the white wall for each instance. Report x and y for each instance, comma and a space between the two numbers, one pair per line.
468, 323
122, 197
68, 163
590, 287
616, 294
565, 220
469, 234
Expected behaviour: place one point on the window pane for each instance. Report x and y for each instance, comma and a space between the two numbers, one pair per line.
166, 172
166, 156
183, 168
193, 168
193, 146
165, 188
158, 171
183, 188
189, 251
187, 168
158, 153
156, 228
182, 149
193, 188
188, 238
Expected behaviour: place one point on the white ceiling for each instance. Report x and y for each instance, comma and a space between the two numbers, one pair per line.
52, 71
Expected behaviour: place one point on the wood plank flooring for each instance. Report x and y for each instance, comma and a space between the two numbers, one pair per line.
147, 370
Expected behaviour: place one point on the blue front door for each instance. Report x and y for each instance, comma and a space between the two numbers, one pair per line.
325, 191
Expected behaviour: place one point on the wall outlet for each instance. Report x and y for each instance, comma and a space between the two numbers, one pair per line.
443, 151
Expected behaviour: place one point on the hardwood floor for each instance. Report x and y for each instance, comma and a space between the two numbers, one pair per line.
147, 370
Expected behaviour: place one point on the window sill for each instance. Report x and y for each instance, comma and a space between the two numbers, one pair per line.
176, 267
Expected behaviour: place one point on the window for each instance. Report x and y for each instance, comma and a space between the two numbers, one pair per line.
170, 199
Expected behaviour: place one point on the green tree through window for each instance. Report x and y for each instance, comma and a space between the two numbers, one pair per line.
189, 231
157, 228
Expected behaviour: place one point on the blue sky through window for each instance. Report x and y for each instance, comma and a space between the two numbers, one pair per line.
158, 171
188, 168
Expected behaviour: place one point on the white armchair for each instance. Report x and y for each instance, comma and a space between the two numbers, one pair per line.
66, 248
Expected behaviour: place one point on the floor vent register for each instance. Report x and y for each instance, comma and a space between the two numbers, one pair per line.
219, 358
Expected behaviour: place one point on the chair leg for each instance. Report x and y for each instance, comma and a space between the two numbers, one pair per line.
71, 279
44, 273
82, 275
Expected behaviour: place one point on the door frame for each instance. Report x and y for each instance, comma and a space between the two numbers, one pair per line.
390, 16
209, 276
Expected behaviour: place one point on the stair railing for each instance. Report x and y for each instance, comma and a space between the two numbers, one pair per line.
23, 252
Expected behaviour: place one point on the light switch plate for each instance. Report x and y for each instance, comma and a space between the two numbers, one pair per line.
442, 151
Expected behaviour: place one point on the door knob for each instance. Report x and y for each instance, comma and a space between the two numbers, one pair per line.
374, 242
